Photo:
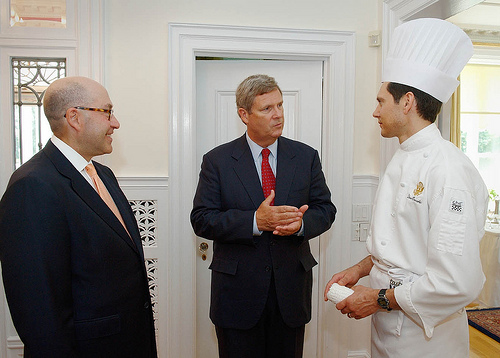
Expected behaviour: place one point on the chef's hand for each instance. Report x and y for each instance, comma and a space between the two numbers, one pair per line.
361, 304
348, 277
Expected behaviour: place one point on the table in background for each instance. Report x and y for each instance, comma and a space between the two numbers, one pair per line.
490, 259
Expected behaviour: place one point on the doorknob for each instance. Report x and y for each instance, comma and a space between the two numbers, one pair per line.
203, 249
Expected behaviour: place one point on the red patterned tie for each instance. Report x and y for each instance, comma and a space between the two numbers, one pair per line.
268, 179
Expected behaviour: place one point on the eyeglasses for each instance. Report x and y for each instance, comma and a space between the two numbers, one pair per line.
108, 111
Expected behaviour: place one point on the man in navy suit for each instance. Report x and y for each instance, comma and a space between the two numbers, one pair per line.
74, 275
262, 263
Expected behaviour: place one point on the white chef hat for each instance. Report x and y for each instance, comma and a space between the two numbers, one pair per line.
428, 54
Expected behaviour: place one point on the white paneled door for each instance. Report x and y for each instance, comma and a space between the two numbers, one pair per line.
217, 122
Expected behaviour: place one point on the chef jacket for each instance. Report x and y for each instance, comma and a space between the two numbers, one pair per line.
428, 220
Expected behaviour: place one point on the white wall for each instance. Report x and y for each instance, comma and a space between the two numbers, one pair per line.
135, 70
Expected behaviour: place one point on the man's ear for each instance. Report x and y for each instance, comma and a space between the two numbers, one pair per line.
243, 115
73, 118
409, 102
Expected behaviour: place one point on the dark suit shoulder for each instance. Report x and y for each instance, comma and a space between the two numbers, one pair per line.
295, 144
38, 167
227, 148
294, 149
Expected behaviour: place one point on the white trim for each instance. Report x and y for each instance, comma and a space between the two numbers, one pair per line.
478, 34
365, 181
336, 49
486, 55
14, 342
143, 183
14, 347
358, 354
90, 44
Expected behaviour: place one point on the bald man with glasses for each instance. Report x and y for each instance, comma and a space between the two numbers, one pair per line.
71, 253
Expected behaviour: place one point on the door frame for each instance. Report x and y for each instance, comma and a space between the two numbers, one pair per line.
301, 83
186, 41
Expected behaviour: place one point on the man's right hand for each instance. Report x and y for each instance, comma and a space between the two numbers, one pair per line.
269, 217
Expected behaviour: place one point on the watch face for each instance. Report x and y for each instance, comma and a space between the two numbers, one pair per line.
383, 302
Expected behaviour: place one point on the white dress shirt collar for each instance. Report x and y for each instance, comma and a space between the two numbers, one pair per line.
74, 158
257, 149
72, 155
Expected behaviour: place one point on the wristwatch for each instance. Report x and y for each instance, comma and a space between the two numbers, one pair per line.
382, 300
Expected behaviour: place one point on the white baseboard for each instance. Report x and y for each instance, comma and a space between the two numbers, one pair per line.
358, 354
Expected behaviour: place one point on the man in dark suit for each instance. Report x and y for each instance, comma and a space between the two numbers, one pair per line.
262, 263
73, 271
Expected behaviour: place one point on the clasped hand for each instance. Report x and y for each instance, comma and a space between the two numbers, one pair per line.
282, 220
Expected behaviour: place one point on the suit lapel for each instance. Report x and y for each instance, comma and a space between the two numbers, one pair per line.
123, 206
285, 171
85, 191
244, 167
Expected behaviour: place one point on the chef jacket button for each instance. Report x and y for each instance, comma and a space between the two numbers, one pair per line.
393, 214
383, 243
268, 268
402, 185
426, 155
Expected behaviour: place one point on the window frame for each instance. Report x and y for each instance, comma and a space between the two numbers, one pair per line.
81, 43
484, 54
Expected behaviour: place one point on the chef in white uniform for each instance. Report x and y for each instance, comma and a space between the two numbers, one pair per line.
429, 211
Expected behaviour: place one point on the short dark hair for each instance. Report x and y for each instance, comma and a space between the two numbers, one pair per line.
428, 107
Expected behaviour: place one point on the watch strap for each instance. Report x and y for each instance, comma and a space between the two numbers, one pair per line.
382, 300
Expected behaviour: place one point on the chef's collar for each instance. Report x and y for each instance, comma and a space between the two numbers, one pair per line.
421, 139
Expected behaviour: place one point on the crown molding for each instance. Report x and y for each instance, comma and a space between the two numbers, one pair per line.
485, 36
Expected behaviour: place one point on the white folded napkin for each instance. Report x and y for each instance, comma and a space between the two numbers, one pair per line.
337, 293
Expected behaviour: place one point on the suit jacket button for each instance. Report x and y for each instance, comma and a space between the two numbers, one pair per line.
146, 305
268, 268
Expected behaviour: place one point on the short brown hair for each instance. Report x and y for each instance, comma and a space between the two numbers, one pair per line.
252, 87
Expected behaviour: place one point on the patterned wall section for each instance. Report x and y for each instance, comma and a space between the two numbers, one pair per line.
152, 270
145, 212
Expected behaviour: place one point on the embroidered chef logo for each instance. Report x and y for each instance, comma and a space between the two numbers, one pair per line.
456, 206
416, 193
420, 188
